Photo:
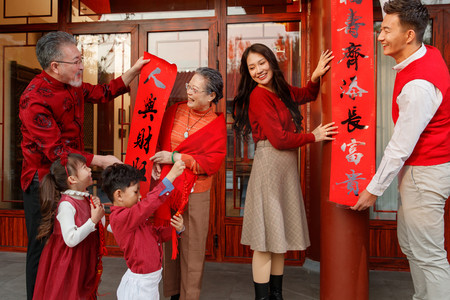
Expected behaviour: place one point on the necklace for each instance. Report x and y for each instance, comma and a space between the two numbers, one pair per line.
186, 133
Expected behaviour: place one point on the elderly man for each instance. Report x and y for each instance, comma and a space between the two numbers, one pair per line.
52, 115
419, 150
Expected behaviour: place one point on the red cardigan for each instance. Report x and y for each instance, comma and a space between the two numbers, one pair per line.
271, 120
433, 146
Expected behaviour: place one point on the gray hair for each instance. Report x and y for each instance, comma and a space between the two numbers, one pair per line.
215, 82
48, 48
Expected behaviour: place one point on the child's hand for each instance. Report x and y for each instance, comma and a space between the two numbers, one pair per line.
96, 200
177, 222
156, 171
98, 212
176, 170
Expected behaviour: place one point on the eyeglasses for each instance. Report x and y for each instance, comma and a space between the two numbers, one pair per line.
77, 62
193, 89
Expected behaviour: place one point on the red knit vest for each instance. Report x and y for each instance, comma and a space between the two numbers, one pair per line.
433, 146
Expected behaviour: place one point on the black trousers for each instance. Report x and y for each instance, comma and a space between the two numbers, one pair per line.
32, 209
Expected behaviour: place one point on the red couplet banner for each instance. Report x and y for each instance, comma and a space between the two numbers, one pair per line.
155, 85
353, 99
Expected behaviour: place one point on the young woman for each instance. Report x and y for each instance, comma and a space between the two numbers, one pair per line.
274, 215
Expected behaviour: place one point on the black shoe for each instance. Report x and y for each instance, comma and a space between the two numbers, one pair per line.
175, 297
276, 287
261, 291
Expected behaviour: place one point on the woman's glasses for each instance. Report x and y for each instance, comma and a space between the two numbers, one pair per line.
193, 89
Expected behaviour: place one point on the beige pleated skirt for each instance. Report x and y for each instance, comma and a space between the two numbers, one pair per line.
274, 212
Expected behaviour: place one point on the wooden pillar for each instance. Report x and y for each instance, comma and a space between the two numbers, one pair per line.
344, 234
344, 253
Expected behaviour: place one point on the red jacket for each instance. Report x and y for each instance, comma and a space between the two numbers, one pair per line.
140, 241
52, 115
433, 146
271, 120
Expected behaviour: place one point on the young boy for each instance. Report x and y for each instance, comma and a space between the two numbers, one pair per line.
140, 241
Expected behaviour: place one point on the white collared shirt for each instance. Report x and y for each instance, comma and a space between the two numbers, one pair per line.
71, 233
418, 102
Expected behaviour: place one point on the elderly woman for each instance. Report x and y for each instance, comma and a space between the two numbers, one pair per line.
192, 132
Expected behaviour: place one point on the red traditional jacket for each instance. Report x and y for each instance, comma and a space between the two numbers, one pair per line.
52, 115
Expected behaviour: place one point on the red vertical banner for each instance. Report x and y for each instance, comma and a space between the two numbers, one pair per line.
353, 99
155, 85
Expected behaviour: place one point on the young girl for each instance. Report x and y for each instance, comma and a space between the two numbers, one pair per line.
69, 261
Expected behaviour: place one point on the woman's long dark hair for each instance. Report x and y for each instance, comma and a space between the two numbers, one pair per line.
51, 187
246, 85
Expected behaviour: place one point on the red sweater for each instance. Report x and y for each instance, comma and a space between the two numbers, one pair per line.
140, 241
433, 146
52, 115
270, 119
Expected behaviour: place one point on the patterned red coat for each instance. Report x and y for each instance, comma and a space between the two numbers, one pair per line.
52, 115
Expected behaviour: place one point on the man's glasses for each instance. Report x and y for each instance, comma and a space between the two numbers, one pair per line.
77, 62
193, 89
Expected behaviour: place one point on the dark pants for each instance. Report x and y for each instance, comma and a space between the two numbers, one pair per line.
32, 209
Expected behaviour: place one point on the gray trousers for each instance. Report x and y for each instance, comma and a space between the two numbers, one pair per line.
423, 193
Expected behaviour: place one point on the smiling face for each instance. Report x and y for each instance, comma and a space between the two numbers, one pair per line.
130, 196
69, 73
83, 176
394, 38
198, 97
259, 69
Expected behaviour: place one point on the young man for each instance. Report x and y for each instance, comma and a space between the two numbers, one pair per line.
419, 149
52, 115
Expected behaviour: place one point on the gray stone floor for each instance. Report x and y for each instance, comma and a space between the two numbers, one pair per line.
221, 281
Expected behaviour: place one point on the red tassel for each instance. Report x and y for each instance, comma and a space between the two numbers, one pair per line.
101, 252
187, 186
176, 202
102, 247
94, 293
162, 214
174, 244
